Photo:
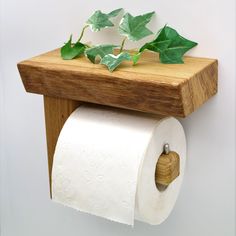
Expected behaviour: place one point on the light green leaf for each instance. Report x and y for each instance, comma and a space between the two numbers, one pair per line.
134, 28
112, 61
101, 51
170, 45
101, 20
136, 57
70, 51
115, 12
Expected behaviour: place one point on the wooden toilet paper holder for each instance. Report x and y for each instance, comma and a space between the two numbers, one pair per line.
151, 87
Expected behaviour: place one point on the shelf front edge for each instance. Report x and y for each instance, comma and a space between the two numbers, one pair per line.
148, 96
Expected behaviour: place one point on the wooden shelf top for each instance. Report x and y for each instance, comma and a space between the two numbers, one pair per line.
152, 87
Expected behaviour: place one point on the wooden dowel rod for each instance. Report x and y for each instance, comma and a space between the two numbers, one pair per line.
167, 168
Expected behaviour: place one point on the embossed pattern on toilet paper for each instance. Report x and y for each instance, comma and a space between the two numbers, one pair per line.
104, 164
97, 160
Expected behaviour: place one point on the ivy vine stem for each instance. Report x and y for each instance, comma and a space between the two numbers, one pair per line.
122, 44
82, 32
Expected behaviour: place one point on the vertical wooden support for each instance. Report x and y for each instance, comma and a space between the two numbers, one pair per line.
57, 110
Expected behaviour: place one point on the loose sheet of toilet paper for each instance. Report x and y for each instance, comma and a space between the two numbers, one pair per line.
104, 164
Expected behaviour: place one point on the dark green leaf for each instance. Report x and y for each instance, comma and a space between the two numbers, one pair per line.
172, 56
170, 45
69, 51
101, 20
112, 61
101, 51
156, 46
134, 28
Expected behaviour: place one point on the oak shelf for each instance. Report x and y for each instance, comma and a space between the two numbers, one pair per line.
151, 87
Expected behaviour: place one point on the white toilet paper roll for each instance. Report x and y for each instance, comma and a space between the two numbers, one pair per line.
105, 161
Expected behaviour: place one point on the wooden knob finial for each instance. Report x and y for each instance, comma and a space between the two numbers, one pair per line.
167, 168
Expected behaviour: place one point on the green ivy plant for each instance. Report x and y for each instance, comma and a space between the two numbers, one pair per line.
169, 45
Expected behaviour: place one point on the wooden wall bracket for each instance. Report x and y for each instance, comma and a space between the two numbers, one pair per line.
151, 87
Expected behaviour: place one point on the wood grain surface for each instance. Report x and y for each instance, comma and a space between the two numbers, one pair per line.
57, 110
173, 90
167, 168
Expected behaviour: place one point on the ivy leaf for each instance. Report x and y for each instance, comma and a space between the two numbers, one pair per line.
115, 12
134, 28
112, 61
101, 51
156, 46
70, 51
101, 20
170, 45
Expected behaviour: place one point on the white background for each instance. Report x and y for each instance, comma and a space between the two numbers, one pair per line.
206, 205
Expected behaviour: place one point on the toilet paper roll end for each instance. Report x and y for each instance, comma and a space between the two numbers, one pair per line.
167, 168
